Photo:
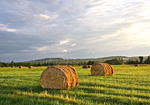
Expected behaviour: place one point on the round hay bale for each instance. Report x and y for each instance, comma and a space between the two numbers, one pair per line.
84, 66
89, 66
59, 77
12, 66
30, 67
76, 81
102, 69
136, 65
20, 67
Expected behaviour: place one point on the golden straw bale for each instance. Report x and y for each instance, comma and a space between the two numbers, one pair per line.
102, 69
20, 67
12, 66
30, 67
89, 66
59, 77
136, 65
84, 66
76, 81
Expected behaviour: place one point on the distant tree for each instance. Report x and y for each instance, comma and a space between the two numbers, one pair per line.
19, 64
90, 62
141, 59
12, 63
132, 62
1, 64
115, 61
147, 61
51, 63
39, 64
29, 64
6, 64
96, 62
84, 63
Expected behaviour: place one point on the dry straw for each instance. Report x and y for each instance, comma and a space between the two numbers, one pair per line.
89, 66
12, 66
20, 67
59, 77
84, 66
102, 69
30, 67
136, 65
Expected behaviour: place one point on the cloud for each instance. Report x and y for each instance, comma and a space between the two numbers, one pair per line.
64, 50
43, 48
64, 41
73, 45
47, 15
52, 27
42, 16
25, 50
5, 28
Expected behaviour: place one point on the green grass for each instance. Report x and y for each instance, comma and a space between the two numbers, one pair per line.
128, 86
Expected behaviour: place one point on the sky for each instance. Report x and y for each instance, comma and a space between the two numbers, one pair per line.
36, 29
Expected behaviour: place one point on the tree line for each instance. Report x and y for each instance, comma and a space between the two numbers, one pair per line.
16, 64
120, 61
115, 61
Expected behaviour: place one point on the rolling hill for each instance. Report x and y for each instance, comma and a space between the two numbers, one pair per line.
47, 60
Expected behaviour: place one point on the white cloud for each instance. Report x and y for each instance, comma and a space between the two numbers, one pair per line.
136, 35
43, 48
47, 15
73, 45
64, 41
44, 16
5, 28
25, 50
64, 50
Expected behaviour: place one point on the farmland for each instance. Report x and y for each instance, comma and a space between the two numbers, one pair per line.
128, 86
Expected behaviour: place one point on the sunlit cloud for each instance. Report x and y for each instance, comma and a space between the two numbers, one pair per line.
5, 28
42, 16
49, 15
64, 41
73, 45
25, 50
64, 50
43, 48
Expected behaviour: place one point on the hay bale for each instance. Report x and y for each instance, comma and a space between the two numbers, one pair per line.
136, 65
30, 67
102, 69
20, 67
84, 66
12, 66
59, 77
75, 76
89, 66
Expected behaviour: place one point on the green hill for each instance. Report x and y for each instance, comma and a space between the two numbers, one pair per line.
47, 60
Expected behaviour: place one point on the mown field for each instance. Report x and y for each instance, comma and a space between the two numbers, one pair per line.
128, 86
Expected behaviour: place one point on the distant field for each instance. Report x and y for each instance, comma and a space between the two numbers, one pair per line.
128, 86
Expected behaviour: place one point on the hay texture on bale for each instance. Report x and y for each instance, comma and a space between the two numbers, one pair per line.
30, 67
20, 67
12, 66
84, 66
136, 65
89, 66
59, 77
102, 69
